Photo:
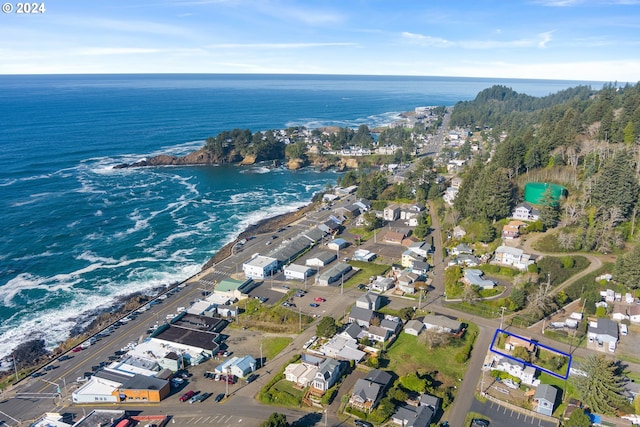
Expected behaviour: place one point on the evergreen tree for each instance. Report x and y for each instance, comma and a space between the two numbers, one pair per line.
617, 185
601, 389
627, 269
549, 210
327, 327
578, 418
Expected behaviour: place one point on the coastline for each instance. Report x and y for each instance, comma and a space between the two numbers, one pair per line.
101, 319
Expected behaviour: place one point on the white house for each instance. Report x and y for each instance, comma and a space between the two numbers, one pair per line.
604, 332
515, 257
441, 323
382, 284
420, 248
619, 312
300, 373
526, 374
525, 212
414, 327
634, 313
327, 375
369, 301
473, 277
259, 267
409, 257
391, 212
450, 195
337, 244
321, 259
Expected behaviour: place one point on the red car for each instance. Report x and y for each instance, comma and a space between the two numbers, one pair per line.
188, 395
77, 349
319, 299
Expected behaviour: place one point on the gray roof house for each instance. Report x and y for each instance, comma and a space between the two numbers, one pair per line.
328, 374
376, 333
368, 391
369, 301
365, 395
473, 277
352, 330
545, 398
361, 316
430, 401
414, 327
412, 416
441, 323
603, 331
391, 323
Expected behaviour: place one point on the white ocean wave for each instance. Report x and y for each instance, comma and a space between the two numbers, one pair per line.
371, 121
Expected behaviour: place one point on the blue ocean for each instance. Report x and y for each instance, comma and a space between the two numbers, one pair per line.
77, 233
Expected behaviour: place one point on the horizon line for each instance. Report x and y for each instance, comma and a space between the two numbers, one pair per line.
310, 74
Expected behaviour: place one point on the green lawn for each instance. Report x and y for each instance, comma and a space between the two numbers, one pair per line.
367, 269
406, 355
273, 345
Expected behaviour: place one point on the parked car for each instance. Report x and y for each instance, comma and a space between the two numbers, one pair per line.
479, 422
64, 357
251, 378
319, 299
77, 349
188, 395
195, 398
219, 397
37, 374
363, 423
313, 304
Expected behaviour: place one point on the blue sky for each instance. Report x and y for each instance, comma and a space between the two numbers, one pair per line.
548, 39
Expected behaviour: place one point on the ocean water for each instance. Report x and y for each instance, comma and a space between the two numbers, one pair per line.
77, 234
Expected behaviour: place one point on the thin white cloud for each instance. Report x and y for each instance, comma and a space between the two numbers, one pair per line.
98, 51
423, 40
278, 45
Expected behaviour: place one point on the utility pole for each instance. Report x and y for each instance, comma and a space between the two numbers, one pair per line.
261, 361
502, 315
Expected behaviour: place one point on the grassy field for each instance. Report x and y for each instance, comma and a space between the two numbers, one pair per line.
367, 269
407, 355
273, 345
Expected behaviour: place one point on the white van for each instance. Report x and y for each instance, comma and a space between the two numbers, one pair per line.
623, 330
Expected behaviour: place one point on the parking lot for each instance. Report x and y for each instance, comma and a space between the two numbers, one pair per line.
501, 416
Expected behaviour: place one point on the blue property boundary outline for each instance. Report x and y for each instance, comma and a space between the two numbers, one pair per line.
555, 374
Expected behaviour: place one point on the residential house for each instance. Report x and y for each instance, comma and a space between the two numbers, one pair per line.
352, 330
545, 399
321, 259
243, 366
461, 249
416, 207
473, 277
327, 375
449, 195
406, 282
377, 333
514, 257
409, 257
604, 332
459, 232
382, 284
420, 248
619, 312
365, 395
361, 316
526, 374
512, 229
440, 323
634, 313
413, 416
369, 301
430, 401
513, 341
391, 212
368, 391
392, 323
394, 237
419, 267
414, 327
456, 182
259, 267
363, 204
300, 373
468, 260
525, 212
344, 347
